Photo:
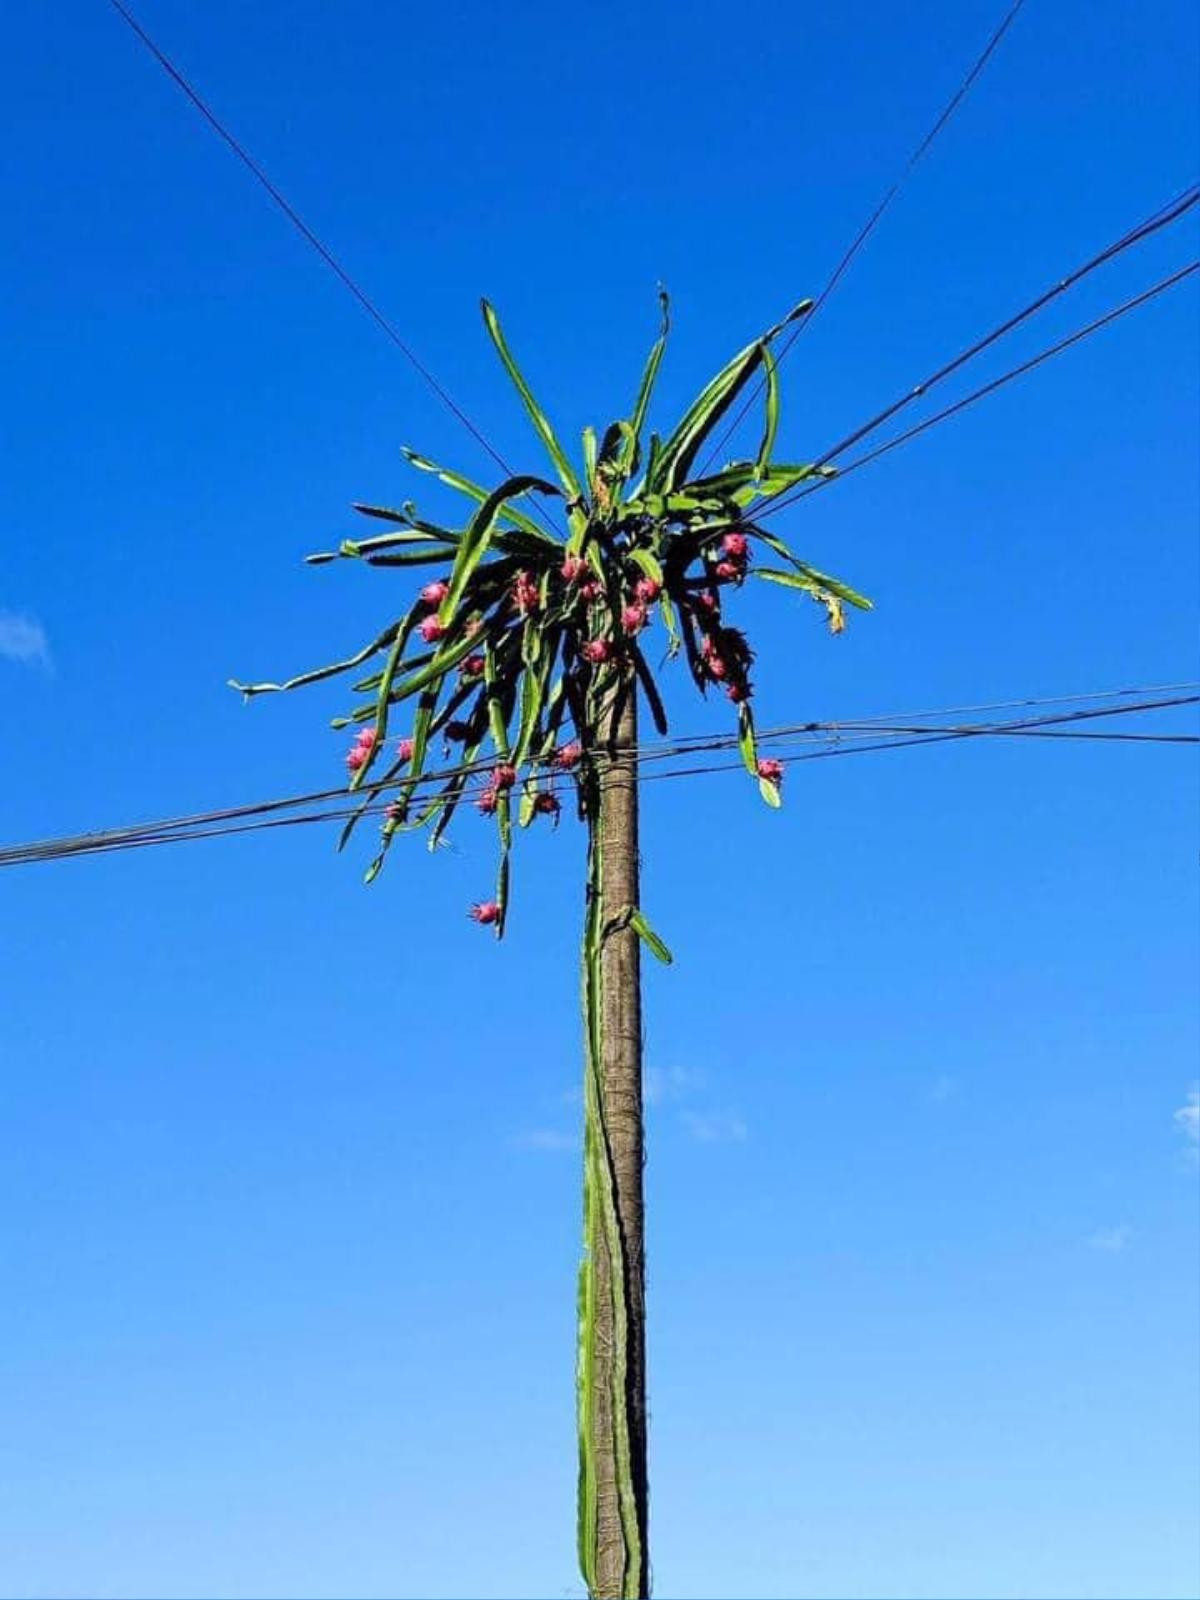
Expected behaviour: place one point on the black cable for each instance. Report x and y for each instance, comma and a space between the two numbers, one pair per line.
109, 847
105, 846
859, 730
874, 219
306, 233
111, 840
942, 735
652, 750
1162, 218
1026, 704
1163, 284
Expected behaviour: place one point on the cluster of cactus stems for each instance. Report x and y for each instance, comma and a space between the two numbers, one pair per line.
512, 655
515, 657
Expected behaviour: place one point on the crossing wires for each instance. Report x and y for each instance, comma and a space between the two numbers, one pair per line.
672, 758
774, 504
1163, 217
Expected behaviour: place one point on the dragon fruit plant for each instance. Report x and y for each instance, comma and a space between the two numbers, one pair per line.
527, 657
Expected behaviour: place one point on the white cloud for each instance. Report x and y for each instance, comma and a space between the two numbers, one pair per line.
944, 1087
662, 1087
1111, 1240
714, 1127
667, 1084
1188, 1119
22, 639
546, 1139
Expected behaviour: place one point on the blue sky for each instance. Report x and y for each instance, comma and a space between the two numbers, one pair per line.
290, 1194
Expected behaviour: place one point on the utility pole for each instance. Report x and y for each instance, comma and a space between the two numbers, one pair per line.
613, 1354
531, 645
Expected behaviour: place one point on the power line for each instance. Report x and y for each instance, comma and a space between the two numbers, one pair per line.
107, 847
104, 845
1037, 733
875, 217
1163, 217
1028, 704
1036, 729
1051, 351
656, 750
386, 326
688, 744
648, 750
838, 738
302, 227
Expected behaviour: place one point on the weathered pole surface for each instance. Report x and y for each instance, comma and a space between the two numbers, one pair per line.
618, 1395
